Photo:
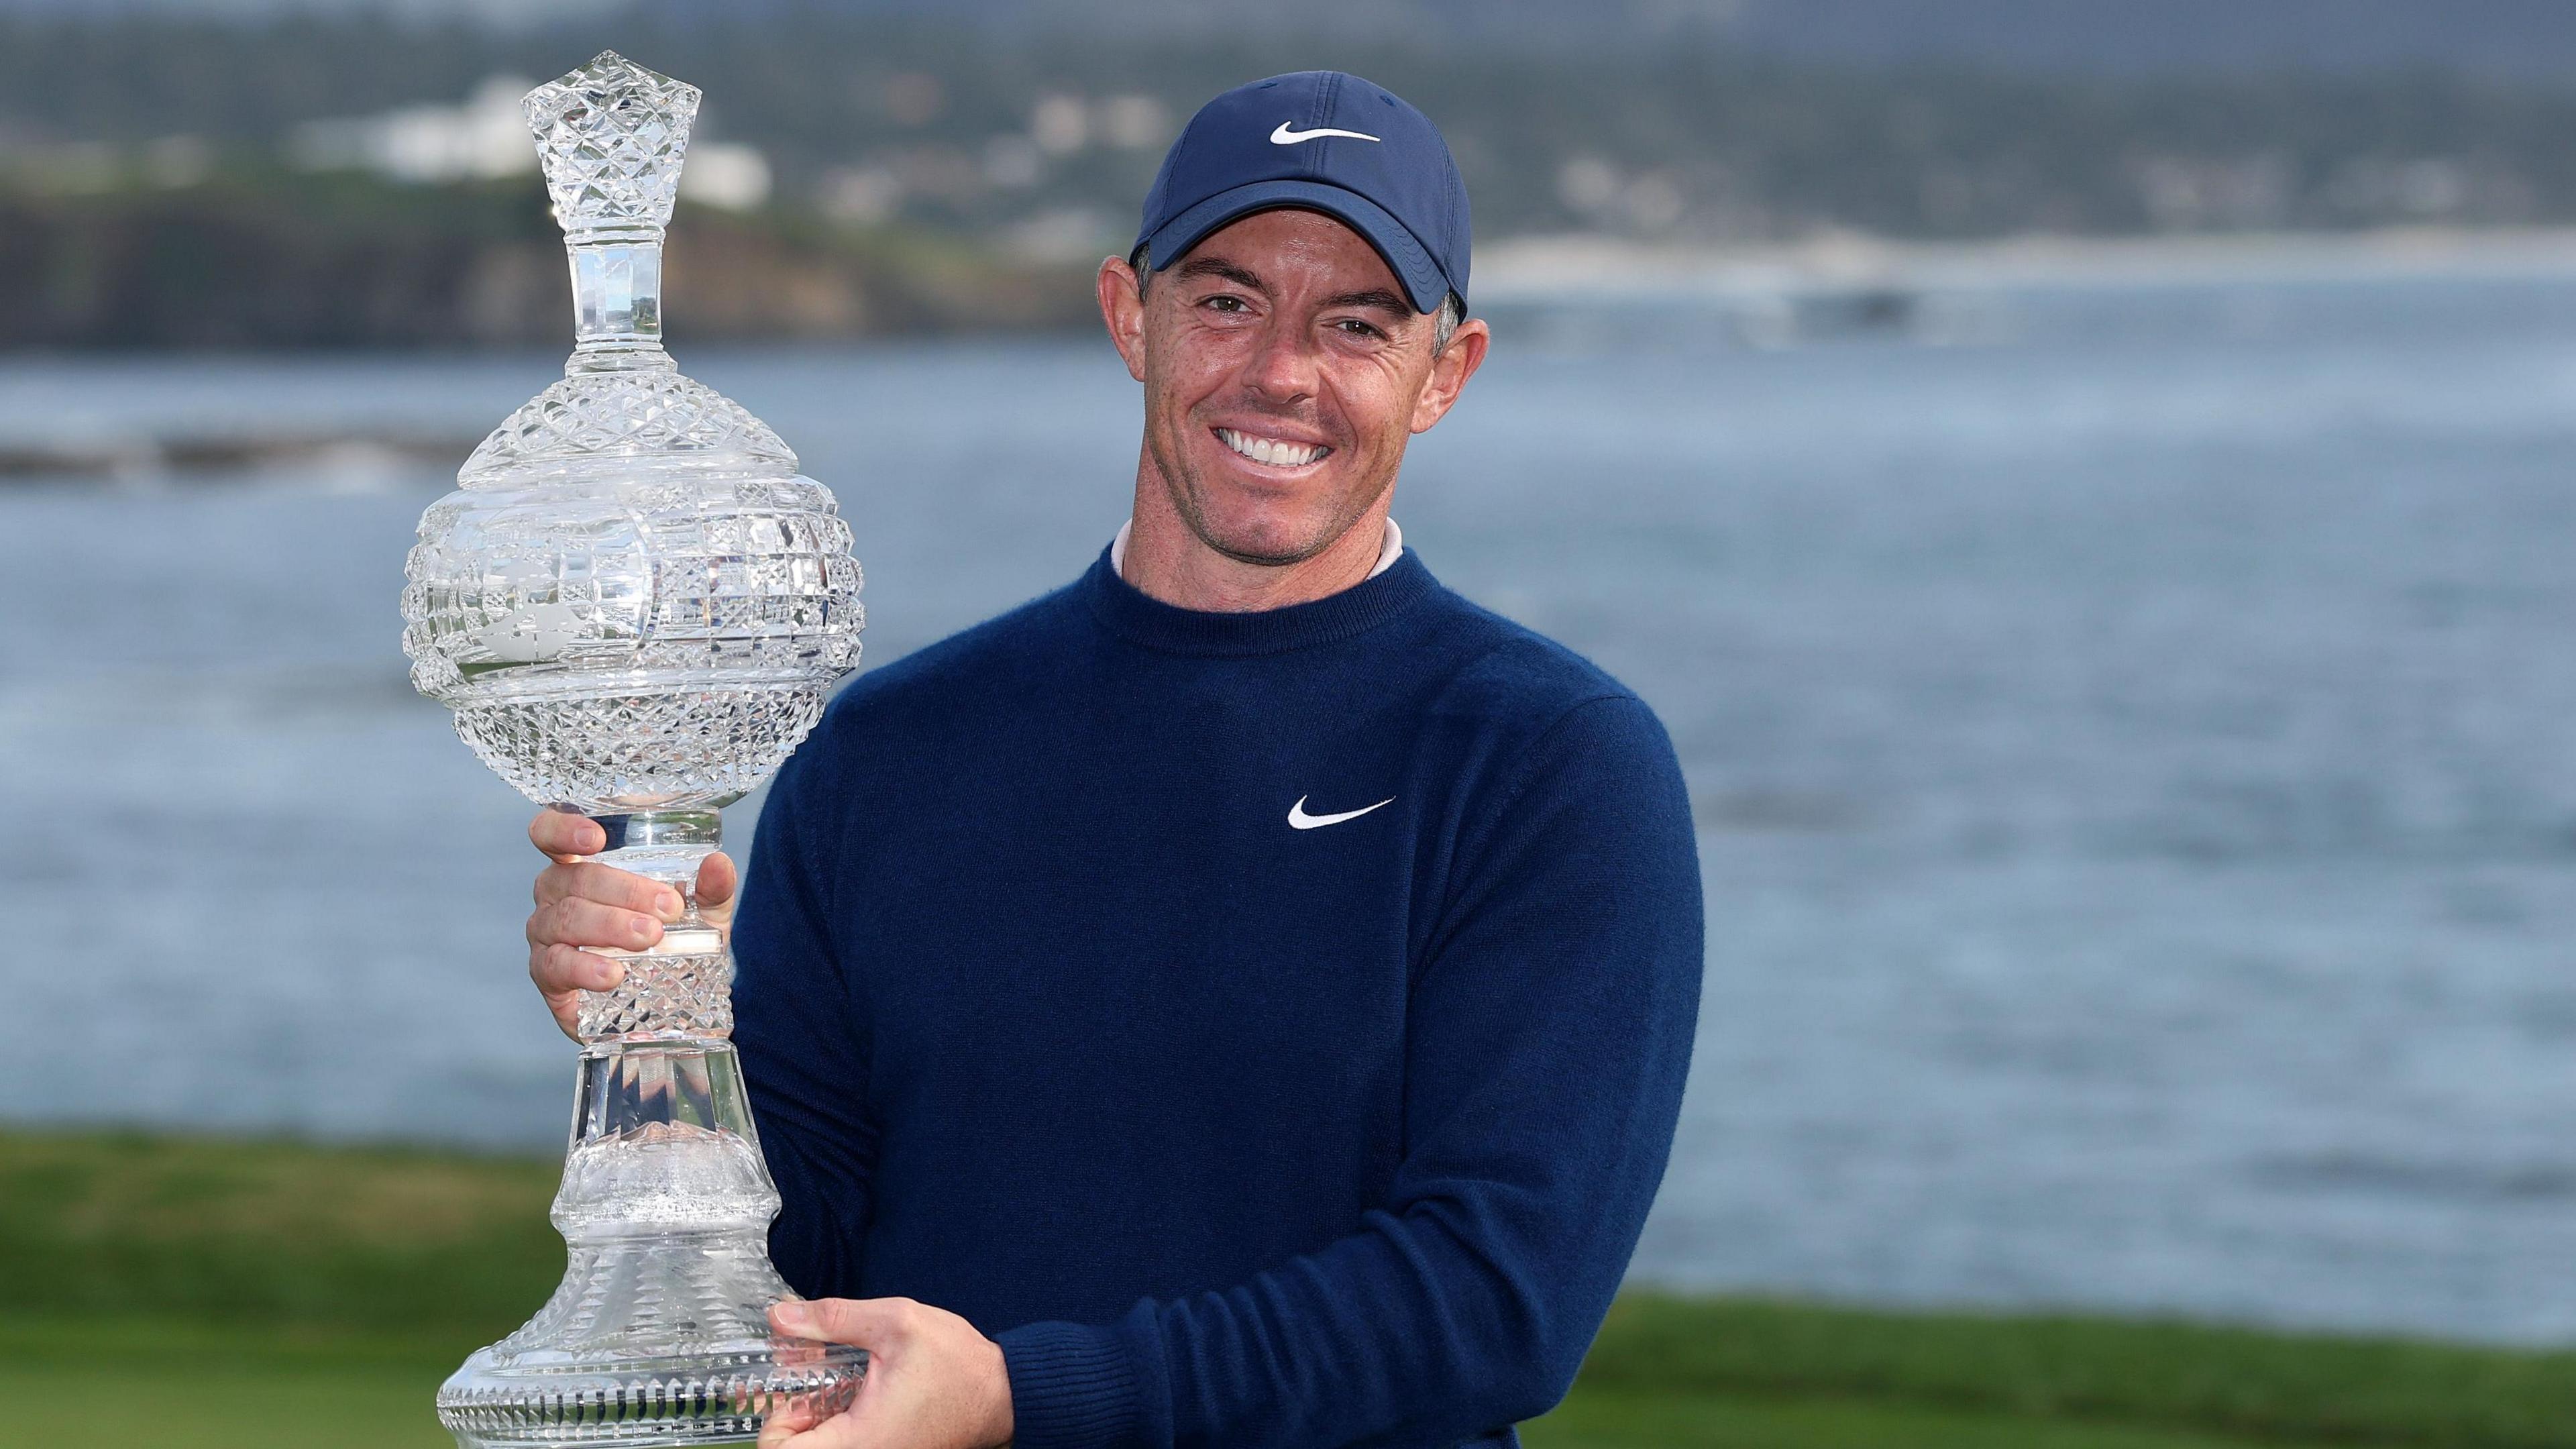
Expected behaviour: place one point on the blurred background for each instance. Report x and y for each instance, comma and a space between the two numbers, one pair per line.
2087, 486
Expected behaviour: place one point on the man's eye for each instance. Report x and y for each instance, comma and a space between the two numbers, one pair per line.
1226, 304
1357, 328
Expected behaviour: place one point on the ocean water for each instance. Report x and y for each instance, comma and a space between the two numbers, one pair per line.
2134, 755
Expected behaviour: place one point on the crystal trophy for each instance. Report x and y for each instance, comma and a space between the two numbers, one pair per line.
635, 604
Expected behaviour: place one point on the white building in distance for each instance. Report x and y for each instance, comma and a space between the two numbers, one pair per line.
486, 138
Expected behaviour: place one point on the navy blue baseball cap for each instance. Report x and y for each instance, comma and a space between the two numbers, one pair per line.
1323, 141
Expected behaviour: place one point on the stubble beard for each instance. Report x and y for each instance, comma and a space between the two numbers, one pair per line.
1180, 485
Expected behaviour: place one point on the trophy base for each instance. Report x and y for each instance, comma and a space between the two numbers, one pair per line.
709, 1398
659, 1333
656, 1341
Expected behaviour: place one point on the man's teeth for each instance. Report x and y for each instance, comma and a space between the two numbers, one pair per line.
1272, 450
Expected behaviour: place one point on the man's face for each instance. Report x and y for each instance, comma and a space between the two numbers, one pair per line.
1284, 371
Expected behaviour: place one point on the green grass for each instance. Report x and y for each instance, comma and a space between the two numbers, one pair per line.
264, 1234
1622, 1419
2188, 1383
176, 1384
192, 1294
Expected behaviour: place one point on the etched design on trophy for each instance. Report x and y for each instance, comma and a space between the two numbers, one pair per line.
635, 605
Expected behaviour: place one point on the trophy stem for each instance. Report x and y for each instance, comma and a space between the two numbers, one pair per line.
617, 303
659, 1334
681, 987
667, 845
662, 1142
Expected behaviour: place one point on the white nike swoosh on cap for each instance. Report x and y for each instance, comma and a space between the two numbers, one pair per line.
1288, 135
1299, 819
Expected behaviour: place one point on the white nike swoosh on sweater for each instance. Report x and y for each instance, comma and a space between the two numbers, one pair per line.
1300, 820
1288, 135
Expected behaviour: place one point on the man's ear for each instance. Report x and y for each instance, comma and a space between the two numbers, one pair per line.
1122, 308
1449, 373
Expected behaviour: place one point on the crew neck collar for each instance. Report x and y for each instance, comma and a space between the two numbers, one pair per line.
1140, 618
1390, 548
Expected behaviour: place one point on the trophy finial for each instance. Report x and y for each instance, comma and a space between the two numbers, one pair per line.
611, 136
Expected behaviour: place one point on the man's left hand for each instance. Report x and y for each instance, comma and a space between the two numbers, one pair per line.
933, 1382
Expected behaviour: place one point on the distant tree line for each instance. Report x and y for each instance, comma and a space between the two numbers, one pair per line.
935, 174
946, 124
278, 261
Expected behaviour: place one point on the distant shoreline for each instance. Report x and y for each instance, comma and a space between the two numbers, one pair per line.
1526, 270
1791, 289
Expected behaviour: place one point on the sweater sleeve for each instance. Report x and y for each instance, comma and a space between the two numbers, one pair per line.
802, 1053
1548, 1034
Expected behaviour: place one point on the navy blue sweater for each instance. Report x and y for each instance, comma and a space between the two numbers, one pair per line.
1060, 1011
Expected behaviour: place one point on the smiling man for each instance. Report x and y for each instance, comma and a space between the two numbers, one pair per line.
1241, 998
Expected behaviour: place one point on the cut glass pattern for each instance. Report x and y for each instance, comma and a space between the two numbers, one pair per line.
683, 988
586, 418
611, 136
658, 1334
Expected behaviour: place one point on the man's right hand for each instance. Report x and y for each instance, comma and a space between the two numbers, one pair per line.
583, 905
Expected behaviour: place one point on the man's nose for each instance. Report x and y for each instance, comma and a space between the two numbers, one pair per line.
1283, 368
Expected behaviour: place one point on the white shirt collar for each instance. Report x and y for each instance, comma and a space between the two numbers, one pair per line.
1388, 551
